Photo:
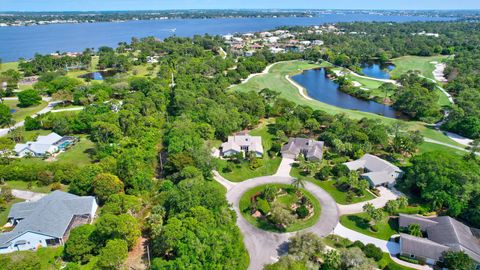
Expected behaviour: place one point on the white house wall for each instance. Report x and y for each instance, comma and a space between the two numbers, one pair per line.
33, 241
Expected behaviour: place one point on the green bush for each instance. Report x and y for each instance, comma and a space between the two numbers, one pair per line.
371, 251
302, 211
255, 163
324, 173
358, 244
263, 206
408, 259
374, 228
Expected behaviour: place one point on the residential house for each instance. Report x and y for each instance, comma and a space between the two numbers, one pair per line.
276, 50
272, 39
317, 43
46, 222
242, 144
442, 234
378, 172
265, 34
311, 149
249, 53
44, 145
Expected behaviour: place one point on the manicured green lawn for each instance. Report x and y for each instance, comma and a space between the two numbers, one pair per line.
4, 213
386, 260
78, 154
426, 147
406, 63
23, 185
275, 80
359, 222
242, 171
31, 135
370, 84
270, 165
8, 65
21, 113
338, 195
50, 258
296, 226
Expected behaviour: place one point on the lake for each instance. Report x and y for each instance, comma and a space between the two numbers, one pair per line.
377, 70
99, 75
17, 42
323, 89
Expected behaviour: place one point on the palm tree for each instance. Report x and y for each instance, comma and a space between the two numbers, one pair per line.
332, 259
298, 183
415, 230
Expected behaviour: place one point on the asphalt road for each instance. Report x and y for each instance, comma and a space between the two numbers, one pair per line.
265, 247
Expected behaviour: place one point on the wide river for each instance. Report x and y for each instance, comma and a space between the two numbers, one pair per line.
17, 42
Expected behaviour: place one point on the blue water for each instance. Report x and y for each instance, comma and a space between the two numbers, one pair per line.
16, 42
376, 70
321, 88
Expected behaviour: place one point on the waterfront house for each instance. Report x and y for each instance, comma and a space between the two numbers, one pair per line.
442, 234
378, 172
242, 144
311, 149
46, 222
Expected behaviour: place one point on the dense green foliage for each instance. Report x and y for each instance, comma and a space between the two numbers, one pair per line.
448, 182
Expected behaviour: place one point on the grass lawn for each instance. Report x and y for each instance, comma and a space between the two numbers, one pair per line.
78, 154
359, 222
4, 213
275, 80
270, 165
406, 63
8, 65
259, 223
386, 260
242, 171
49, 258
338, 195
426, 147
23, 185
20, 113
370, 84
31, 135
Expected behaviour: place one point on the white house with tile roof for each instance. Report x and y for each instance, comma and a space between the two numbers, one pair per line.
242, 144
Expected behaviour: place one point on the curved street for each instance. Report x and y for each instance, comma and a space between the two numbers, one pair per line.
265, 247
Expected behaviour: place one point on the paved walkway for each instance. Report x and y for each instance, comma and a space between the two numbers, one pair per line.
27, 195
386, 246
379, 202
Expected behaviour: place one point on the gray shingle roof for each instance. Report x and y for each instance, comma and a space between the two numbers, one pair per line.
50, 215
424, 223
421, 247
311, 148
379, 171
446, 231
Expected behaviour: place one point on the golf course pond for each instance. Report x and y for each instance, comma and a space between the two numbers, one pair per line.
377, 70
323, 89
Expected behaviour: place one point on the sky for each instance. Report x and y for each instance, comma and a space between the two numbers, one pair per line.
93, 5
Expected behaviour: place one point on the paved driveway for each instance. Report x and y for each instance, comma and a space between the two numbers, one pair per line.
265, 247
379, 202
